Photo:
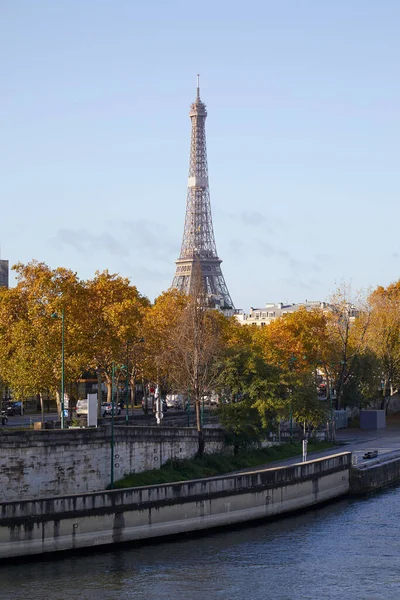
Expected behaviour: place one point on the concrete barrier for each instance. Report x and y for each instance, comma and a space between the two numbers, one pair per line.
88, 520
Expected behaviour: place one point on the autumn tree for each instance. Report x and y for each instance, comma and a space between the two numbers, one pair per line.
348, 324
160, 322
30, 339
195, 346
384, 338
114, 315
296, 345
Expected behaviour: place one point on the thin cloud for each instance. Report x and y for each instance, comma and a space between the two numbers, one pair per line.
151, 236
250, 218
298, 267
253, 219
86, 242
142, 236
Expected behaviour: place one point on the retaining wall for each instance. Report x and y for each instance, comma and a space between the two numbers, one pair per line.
88, 520
376, 474
38, 464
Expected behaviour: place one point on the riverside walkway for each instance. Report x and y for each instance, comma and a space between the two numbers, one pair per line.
357, 441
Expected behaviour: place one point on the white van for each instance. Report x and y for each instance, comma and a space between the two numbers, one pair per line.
175, 400
81, 408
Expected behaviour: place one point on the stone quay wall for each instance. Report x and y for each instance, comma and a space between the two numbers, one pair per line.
378, 473
88, 520
38, 464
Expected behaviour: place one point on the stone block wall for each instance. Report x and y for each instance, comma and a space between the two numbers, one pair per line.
39, 464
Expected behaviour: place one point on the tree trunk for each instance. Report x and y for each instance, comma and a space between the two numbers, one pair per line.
109, 391
99, 393
200, 450
41, 406
133, 392
58, 402
146, 408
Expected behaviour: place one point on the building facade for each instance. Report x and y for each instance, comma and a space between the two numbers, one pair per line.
273, 311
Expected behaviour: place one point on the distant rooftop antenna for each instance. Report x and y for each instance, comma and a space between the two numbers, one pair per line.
198, 86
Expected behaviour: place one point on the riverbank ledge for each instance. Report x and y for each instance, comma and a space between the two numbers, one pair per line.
377, 474
70, 522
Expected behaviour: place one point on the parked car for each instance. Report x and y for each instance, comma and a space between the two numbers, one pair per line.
175, 401
106, 409
13, 408
8, 409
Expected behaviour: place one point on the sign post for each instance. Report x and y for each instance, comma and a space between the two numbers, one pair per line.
305, 442
159, 412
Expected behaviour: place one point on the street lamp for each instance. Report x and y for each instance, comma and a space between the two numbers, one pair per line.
112, 426
57, 316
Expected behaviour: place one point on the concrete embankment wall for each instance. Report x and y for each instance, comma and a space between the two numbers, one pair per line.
38, 464
376, 474
88, 520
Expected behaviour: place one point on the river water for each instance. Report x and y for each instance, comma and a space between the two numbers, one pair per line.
347, 550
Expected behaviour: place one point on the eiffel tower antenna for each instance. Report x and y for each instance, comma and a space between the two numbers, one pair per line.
198, 243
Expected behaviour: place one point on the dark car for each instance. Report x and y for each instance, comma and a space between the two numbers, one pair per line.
13, 408
18, 408
10, 409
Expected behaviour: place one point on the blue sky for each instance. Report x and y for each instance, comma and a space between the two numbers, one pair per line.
303, 139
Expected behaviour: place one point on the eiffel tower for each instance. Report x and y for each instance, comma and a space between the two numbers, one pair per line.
198, 243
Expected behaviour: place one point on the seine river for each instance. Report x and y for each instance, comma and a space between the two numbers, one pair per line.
347, 550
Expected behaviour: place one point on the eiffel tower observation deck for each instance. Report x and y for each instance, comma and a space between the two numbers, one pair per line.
198, 243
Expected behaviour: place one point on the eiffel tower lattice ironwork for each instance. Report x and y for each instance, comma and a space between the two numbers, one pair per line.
198, 244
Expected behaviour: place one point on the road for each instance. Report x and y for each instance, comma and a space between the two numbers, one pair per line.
28, 419
386, 441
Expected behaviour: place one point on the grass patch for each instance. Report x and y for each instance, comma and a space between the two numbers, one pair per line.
215, 464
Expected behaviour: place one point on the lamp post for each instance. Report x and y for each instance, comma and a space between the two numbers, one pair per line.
112, 425
127, 388
292, 361
57, 316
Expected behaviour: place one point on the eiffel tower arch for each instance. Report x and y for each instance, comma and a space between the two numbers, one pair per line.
198, 243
